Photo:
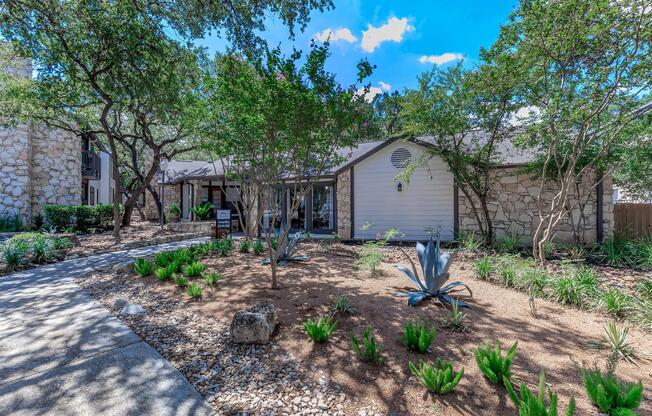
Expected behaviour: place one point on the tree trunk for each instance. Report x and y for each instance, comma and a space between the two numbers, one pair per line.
129, 210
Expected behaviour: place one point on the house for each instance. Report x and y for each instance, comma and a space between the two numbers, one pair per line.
366, 188
43, 166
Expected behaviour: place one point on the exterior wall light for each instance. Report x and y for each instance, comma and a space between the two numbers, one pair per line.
399, 187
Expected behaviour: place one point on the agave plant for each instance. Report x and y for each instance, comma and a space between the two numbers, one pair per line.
434, 270
286, 250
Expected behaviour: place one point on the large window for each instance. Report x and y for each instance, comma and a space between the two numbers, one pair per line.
322, 207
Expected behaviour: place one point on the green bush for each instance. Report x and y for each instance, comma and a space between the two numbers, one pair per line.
143, 267
258, 247
165, 273
484, 268
223, 246
529, 404
203, 249
321, 329
194, 269
611, 395
342, 305
80, 217
42, 250
440, 378
11, 223
194, 291
469, 241
616, 303
370, 256
183, 256
418, 337
533, 281
181, 281
367, 349
492, 363
202, 211
245, 245
61, 243
59, 216
509, 244
164, 258
211, 278
13, 254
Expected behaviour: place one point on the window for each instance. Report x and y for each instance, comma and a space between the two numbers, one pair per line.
322, 207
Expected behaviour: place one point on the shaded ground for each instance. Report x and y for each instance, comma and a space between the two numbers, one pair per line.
554, 341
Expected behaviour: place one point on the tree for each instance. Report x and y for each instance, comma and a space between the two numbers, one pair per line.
386, 114
586, 67
468, 113
278, 126
99, 61
634, 161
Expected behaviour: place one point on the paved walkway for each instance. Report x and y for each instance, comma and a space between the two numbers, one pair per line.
62, 353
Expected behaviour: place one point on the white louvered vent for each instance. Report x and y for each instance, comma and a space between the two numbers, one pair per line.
401, 158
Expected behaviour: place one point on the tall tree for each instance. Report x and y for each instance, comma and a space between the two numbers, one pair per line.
586, 66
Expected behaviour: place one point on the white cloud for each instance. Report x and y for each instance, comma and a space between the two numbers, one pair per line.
341, 34
385, 86
392, 31
441, 59
374, 91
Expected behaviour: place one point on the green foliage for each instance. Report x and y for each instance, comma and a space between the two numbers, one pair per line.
616, 340
492, 363
440, 378
529, 404
164, 258
10, 223
181, 281
533, 280
184, 256
456, 319
644, 289
469, 241
165, 273
484, 268
622, 251
194, 269
610, 395
175, 210
258, 247
202, 210
42, 250
245, 246
223, 246
203, 249
418, 337
370, 256
79, 218
321, 329
61, 243
194, 290
616, 303
510, 243
342, 305
143, 267
13, 254
367, 349
211, 278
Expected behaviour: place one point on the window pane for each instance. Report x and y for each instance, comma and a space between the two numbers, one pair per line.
298, 218
322, 207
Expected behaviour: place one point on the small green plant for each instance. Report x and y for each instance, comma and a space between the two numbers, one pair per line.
508, 276
202, 211
418, 337
469, 241
643, 252
165, 273
484, 268
644, 289
180, 281
211, 278
245, 246
367, 349
616, 303
493, 364
610, 395
175, 211
223, 246
565, 290
194, 269
533, 281
616, 341
370, 256
13, 254
183, 256
61, 244
164, 258
194, 291
456, 319
258, 247
321, 329
203, 249
143, 267
510, 243
342, 305
529, 404
440, 378
42, 250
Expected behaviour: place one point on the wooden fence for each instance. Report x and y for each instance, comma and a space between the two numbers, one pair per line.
633, 219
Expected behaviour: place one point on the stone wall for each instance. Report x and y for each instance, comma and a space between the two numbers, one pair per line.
343, 194
172, 195
513, 207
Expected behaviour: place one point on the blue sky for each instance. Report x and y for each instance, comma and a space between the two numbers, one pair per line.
402, 38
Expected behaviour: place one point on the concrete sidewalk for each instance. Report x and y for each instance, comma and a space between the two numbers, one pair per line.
62, 353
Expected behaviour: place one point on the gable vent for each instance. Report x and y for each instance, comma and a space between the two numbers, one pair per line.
401, 158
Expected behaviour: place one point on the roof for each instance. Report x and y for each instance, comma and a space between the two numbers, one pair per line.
183, 170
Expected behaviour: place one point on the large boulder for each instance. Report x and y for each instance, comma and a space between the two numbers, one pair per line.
254, 326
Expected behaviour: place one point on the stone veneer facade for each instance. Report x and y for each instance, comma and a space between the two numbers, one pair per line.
343, 198
38, 165
513, 207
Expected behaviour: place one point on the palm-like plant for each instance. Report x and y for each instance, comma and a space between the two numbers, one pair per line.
434, 269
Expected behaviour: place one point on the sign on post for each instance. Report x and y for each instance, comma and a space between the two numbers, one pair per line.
223, 218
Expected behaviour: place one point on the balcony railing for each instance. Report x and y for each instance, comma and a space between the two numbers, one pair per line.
90, 165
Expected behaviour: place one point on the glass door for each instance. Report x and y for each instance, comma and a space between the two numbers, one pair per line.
322, 207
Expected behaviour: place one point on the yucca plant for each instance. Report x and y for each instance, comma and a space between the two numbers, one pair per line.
529, 404
493, 364
418, 337
616, 341
367, 349
194, 291
610, 395
42, 250
181, 281
13, 254
484, 268
342, 305
456, 319
245, 246
434, 271
286, 250
143, 267
321, 329
211, 278
440, 378
164, 258
165, 273
194, 269
258, 247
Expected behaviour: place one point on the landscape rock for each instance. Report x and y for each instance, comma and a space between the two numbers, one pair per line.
132, 309
123, 267
254, 326
119, 304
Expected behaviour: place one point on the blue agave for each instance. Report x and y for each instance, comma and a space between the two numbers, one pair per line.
434, 269
287, 249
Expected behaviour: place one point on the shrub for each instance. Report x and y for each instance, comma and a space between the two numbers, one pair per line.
258, 247
483, 268
202, 210
611, 395
417, 337
493, 364
469, 241
440, 378
164, 273
367, 349
616, 303
245, 245
643, 252
565, 290
370, 256
10, 223
194, 290
510, 243
320, 330
342, 305
59, 216
529, 404
223, 246
203, 249
194, 269
143, 267
456, 319
211, 278
13, 254
102, 215
180, 281
61, 243
81, 217
183, 256
164, 258
42, 250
